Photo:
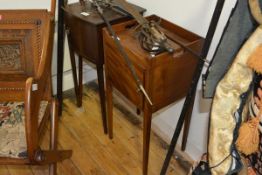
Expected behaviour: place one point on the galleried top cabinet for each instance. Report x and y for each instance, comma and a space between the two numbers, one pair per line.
166, 77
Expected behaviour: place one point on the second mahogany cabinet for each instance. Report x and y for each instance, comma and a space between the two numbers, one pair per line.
84, 31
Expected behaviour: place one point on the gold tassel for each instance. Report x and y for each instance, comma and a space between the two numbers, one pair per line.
248, 139
255, 60
251, 171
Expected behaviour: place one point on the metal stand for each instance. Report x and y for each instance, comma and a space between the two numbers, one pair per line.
190, 98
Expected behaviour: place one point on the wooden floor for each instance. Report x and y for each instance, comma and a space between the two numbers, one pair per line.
94, 153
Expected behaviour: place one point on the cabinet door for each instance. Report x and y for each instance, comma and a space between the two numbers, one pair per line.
171, 79
119, 74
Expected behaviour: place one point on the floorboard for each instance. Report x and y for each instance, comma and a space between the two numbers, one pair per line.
80, 129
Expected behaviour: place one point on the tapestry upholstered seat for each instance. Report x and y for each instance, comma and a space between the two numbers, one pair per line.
12, 128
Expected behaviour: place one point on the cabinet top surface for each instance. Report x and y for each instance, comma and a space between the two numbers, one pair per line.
129, 37
89, 13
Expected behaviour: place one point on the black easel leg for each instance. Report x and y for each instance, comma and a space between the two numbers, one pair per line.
179, 126
192, 91
60, 55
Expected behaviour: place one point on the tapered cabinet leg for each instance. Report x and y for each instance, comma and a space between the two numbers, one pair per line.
109, 102
146, 136
185, 132
100, 76
77, 80
187, 125
80, 82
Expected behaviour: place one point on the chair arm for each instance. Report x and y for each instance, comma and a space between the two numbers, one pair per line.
33, 96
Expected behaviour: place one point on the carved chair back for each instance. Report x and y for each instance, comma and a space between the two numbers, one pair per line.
24, 35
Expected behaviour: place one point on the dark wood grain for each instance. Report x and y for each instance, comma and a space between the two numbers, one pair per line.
86, 40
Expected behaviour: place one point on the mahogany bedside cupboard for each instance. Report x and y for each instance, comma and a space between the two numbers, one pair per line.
166, 77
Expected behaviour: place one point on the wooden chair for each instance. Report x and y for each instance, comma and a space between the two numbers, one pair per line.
26, 42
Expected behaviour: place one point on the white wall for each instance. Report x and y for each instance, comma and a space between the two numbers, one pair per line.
193, 15
25, 4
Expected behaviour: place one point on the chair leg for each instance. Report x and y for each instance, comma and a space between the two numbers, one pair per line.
53, 169
52, 156
53, 135
100, 75
146, 136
